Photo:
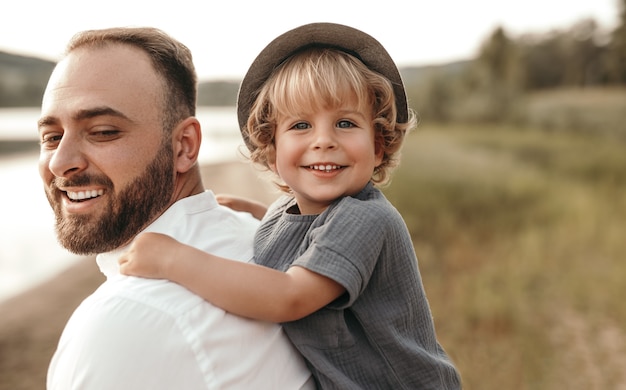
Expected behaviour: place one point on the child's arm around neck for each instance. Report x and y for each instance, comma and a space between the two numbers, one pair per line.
245, 289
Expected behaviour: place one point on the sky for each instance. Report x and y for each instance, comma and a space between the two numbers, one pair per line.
225, 36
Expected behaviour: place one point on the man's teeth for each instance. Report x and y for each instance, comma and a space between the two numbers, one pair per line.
81, 195
326, 168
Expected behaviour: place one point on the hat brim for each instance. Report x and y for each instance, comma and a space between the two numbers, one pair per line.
348, 39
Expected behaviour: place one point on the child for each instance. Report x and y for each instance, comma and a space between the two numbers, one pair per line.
324, 108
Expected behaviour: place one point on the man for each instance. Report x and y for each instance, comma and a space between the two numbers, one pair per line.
119, 144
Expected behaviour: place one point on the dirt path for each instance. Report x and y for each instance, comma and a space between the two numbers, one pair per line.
589, 357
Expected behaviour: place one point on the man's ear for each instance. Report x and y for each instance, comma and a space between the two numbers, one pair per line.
187, 138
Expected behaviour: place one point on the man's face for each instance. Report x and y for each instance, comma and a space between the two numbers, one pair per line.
106, 166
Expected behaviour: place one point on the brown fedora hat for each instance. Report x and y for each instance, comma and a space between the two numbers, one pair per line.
348, 39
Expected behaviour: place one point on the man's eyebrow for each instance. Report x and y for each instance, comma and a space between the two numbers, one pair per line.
99, 111
46, 121
85, 114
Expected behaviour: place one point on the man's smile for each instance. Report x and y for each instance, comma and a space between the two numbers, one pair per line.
83, 195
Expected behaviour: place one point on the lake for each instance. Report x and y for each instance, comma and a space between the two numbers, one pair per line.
29, 252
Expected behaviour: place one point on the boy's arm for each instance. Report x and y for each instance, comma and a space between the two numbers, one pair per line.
257, 209
245, 289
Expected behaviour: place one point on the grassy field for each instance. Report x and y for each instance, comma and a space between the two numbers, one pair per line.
520, 234
520, 238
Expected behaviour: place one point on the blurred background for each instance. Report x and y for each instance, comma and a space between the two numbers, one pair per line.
512, 185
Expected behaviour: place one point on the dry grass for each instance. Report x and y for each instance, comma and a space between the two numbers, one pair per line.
592, 110
520, 239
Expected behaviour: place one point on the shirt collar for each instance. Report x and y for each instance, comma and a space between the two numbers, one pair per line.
108, 262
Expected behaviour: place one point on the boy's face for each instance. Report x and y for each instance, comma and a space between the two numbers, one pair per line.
325, 155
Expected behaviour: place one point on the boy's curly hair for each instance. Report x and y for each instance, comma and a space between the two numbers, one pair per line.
317, 78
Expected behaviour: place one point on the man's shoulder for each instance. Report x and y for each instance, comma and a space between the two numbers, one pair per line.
206, 205
201, 222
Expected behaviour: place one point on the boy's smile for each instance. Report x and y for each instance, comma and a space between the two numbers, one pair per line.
328, 168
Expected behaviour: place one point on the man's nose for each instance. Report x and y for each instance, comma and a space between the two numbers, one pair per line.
68, 158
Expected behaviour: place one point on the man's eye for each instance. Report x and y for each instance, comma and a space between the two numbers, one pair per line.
106, 133
50, 139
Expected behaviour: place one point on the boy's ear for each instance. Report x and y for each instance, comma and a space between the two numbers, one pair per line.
379, 149
271, 158
187, 138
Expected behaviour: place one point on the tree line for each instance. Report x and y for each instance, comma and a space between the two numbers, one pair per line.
506, 70
580, 56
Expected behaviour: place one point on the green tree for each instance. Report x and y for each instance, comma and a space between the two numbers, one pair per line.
583, 56
543, 60
571, 57
498, 61
497, 75
616, 56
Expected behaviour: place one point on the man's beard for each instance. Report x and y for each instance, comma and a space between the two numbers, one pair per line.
127, 213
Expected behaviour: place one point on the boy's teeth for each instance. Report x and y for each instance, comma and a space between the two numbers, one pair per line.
326, 168
81, 195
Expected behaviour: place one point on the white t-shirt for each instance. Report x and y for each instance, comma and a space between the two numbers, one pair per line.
134, 333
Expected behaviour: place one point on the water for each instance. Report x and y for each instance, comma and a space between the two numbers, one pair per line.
29, 252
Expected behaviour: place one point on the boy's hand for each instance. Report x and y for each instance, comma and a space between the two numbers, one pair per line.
149, 256
257, 209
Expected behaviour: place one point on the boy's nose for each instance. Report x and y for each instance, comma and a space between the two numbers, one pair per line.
325, 138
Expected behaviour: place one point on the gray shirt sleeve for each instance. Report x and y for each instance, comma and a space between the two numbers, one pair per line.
346, 245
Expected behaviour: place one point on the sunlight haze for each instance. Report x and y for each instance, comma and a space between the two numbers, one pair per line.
226, 36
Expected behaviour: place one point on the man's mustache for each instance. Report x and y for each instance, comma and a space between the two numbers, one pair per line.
81, 181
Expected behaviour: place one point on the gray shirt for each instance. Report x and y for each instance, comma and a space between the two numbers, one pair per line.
380, 333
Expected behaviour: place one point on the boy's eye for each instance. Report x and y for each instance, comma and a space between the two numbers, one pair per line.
344, 124
301, 126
